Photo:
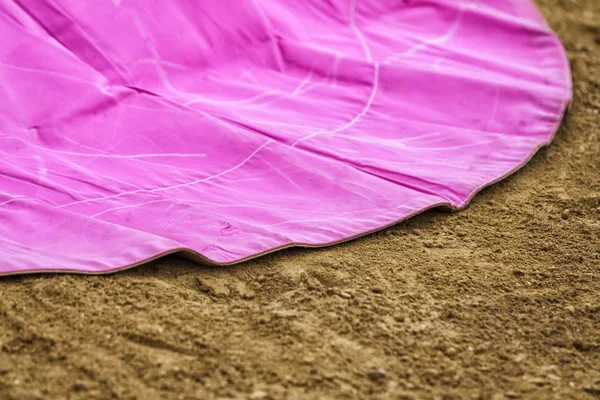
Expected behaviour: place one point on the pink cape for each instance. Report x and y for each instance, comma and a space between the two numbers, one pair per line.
225, 129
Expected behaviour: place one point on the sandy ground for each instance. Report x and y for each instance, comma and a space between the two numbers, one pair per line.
501, 300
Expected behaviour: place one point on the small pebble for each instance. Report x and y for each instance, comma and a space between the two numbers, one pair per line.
260, 278
249, 295
520, 357
285, 314
376, 375
377, 289
538, 381
553, 377
313, 285
570, 308
345, 295
259, 394
451, 351
565, 214
157, 330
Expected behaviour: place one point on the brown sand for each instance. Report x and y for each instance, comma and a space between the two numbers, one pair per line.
501, 300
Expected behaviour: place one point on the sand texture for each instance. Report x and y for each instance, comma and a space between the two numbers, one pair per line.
500, 300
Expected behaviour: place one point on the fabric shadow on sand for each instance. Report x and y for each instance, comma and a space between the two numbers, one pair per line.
226, 129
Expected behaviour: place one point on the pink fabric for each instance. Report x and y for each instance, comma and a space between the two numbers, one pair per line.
228, 128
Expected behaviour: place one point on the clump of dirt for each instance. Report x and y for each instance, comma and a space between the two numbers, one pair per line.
499, 301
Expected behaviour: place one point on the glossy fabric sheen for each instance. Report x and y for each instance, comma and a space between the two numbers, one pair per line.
130, 129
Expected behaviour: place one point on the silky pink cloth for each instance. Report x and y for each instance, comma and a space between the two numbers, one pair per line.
130, 129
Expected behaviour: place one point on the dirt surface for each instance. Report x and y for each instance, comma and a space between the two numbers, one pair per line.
501, 300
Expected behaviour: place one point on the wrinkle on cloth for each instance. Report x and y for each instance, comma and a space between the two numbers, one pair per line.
225, 129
